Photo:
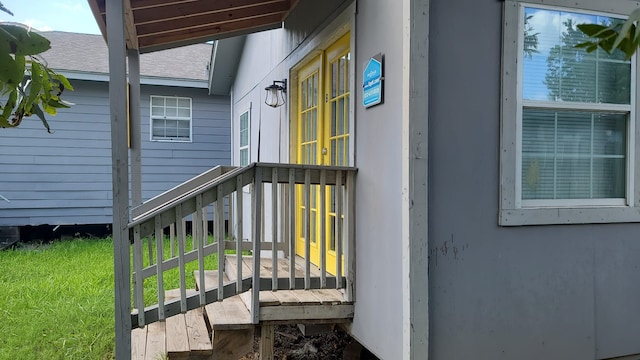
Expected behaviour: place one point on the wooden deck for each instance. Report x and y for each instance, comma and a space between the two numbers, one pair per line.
224, 328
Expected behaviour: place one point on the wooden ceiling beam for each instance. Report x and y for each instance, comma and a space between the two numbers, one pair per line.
185, 9
143, 4
131, 36
210, 32
212, 19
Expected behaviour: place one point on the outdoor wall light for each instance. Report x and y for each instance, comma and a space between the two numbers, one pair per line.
275, 93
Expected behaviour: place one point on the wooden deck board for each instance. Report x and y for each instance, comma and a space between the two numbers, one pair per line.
177, 337
306, 297
266, 298
187, 335
286, 297
306, 313
229, 314
199, 341
328, 296
138, 343
156, 341
266, 266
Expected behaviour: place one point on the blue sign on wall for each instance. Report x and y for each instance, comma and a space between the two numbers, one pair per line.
372, 82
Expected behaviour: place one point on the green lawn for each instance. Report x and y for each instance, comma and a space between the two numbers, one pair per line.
56, 301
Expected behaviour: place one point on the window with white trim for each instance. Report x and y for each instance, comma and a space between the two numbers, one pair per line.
170, 118
245, 135
568, 118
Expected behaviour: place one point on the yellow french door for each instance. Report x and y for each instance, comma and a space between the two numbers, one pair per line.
323, 139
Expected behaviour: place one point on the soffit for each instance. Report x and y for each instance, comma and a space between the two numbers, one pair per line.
161, 24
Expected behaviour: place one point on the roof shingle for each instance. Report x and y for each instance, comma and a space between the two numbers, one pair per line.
88, 53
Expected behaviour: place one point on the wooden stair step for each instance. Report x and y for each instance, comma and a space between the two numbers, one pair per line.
177, 337
156, 341
138, 343
199, 341
266, 266
228, 314
230, 267
210, 279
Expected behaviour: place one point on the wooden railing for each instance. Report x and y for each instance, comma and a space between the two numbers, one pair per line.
218, 197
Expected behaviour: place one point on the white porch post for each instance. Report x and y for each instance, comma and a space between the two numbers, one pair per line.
415, 144
135, 126
120, 175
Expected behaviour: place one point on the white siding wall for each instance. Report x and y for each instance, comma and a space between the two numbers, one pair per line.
378, 317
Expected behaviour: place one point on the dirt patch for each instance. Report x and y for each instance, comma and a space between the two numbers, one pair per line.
291, 344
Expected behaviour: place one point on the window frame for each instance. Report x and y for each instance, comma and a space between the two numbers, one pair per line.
178, 118
512, 211
247, 147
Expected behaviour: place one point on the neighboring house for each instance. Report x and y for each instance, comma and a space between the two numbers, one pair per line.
498, 180
64, 178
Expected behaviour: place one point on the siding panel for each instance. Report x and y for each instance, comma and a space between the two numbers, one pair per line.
64, 178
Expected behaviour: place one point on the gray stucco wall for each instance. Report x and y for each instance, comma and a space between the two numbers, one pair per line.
65, 177
535, 292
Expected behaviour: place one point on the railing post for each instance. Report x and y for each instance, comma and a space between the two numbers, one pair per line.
159, 272
137, 266
180, 234
172, 230
292, 229
199, 237
240, 235
323, 229
257, 232
274, 228
349, 230
219, 219
307, 229
339, 233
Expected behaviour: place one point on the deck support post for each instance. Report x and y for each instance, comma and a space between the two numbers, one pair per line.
266, 342
120, 175
135, 126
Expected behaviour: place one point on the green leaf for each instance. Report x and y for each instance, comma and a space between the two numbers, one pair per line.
9, 106
626, 27
64, 81
10, 73
22, 41
35, 86
38, 111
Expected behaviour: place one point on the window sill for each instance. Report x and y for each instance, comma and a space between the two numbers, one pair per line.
583, 215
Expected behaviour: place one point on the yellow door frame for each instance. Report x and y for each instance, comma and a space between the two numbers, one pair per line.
323, 140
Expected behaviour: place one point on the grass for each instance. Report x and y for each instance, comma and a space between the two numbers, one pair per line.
57, 300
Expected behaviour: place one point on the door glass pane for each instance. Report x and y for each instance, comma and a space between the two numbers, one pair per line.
332, 232
334, 152
313, 222
346, 114
303, 95
334, 79
340, 115
343, 80
333, 118
315, 89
